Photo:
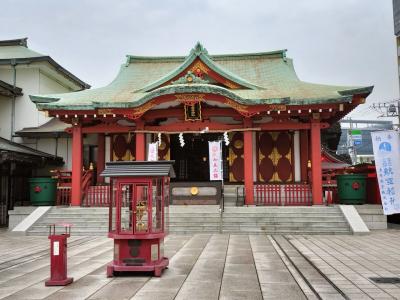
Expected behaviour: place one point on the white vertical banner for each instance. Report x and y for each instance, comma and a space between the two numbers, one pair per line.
387, 161
152, 155
215, 156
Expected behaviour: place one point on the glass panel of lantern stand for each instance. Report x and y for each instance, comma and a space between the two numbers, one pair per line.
166, 205
113, 212
156, 218
142, 212
126, 207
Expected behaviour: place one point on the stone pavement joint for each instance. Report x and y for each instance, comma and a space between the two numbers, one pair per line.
213, 266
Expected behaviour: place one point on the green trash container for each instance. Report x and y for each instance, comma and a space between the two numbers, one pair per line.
351, 188
42, 191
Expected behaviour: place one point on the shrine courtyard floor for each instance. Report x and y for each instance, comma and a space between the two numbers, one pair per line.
212, 266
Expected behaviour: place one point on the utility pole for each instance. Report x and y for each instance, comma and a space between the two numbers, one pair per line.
351, 149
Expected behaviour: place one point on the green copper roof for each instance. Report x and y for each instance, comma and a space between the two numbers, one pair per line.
265, 77
200, 52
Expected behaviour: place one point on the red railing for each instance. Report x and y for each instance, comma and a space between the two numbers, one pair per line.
267, 194
282, 194
86, 182
63, 195
64, 185
297, 194
97, 196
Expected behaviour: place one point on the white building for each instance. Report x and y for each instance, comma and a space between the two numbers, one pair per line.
24, 72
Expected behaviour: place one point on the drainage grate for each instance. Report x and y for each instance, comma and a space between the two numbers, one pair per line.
391, 280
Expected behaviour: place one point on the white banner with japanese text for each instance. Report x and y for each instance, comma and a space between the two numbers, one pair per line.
152, 155
387, 161
215, 156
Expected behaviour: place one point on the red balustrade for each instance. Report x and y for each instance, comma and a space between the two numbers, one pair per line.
63, 195
97, 196
282, 194
267, 194
297, 195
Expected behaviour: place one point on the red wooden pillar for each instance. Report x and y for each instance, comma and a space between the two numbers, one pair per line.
140, 142
248, 163
304, 155
316, 171
101, 156
76, 188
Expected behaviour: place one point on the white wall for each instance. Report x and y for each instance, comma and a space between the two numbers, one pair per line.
48, 86
48, 145
33, 80
26, 114
65, 151
5, 117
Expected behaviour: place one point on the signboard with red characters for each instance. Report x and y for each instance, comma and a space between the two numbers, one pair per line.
215, 155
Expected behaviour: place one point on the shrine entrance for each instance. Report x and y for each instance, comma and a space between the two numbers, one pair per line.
191, 160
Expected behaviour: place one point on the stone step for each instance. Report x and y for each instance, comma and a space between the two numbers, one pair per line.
282, 218
75, 224
73, 209
207, 218
281, 213
273, 227
86, 233
241, 219
285, 208
77, 215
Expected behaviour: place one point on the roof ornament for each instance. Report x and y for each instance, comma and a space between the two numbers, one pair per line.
190, 78
284, 55
198, 49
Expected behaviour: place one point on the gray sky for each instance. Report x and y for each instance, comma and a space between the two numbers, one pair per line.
345, 42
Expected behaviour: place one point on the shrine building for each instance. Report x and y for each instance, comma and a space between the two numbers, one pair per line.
272, 118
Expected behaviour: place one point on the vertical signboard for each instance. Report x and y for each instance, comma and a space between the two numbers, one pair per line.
215, 153
153, 152
387, 161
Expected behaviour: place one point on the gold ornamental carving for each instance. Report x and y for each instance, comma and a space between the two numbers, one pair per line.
105, 111
237, 106
238, 144
231, 85
199, 66
190, 99
276, 107
138, 112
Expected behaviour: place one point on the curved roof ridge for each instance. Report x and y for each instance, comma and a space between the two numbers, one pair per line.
15, 42
137, 58
199, 52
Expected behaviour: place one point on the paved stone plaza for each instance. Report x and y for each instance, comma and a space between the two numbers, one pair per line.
213, 266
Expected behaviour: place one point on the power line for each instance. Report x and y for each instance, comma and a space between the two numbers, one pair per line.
387, 109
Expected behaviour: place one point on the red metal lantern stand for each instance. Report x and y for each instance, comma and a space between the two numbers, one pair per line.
138, 209
58, 256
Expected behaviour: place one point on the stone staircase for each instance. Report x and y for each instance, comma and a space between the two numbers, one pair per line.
85, 221
373, 216
189, 219
285, 220
230, 194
